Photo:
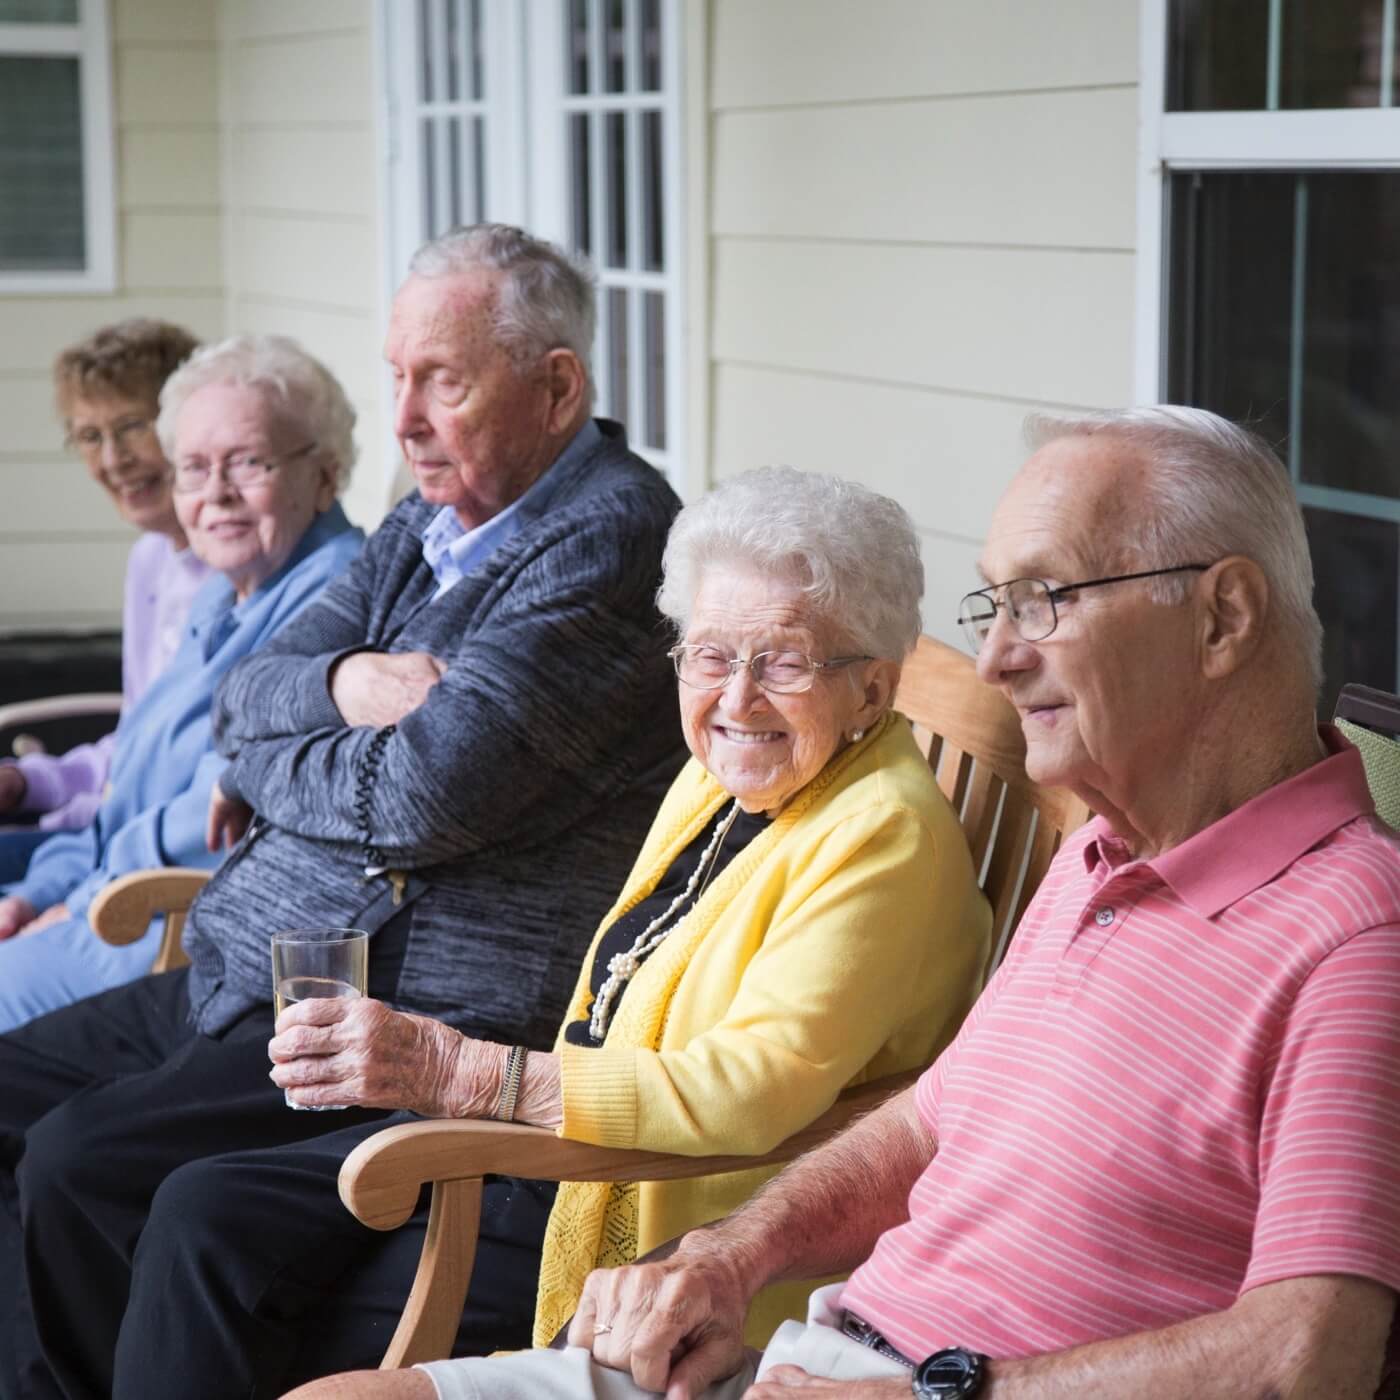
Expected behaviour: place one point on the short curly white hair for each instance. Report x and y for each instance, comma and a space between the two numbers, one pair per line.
297, 386
851, 551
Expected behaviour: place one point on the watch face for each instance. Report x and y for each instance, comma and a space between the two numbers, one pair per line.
949, 1375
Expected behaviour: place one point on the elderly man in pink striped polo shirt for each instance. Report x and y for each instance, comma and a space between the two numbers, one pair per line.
1162, 1158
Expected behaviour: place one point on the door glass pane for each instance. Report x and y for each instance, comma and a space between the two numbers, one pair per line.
38, 11
653, 195
615, 38
41, 165
426, 48
452, 50
478, 90
581, 180
576, 32
619, 383
1284, 313
649, 40
615, 157
654, 335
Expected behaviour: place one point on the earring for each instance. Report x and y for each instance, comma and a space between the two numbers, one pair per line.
857, 735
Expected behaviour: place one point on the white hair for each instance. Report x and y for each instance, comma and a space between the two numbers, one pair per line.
1214, 489
297, 387
853, 553
545, 301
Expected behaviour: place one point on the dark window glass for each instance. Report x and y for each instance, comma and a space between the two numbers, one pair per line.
1249, 55
655, 337
1217, 55
1330, 53
1284, 313
41, 166
1357, 562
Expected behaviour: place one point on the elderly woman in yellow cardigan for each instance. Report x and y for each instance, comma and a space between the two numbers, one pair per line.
803, 915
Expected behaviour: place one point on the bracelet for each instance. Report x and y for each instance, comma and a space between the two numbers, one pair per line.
510, 1084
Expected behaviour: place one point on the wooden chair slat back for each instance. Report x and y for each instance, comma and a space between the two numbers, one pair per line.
972, 738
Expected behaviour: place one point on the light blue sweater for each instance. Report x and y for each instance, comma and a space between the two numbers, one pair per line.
165, 766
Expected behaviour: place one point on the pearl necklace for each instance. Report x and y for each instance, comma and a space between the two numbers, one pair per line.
622, 967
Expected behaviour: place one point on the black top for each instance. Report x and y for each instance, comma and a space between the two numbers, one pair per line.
623, 934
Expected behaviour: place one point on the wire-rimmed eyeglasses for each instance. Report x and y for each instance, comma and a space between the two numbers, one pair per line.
125, 436
242, 469
1030, 603
779, 672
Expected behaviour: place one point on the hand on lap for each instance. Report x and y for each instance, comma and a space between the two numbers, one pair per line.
677, 1325
15, 914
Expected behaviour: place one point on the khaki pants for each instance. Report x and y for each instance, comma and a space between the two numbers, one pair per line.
817, 1345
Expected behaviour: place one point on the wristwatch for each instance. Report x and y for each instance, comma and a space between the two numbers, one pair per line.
951, 1374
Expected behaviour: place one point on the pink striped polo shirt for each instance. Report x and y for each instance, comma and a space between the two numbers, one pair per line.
1183, 1082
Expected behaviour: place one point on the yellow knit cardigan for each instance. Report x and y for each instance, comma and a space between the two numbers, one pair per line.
844, 943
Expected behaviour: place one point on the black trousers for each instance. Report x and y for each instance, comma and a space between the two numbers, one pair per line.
170, 1227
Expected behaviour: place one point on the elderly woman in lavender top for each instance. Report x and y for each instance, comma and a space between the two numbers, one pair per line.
261, 438
106, 388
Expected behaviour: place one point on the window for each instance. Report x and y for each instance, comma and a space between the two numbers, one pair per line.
561, 116
56, 202
1269, 289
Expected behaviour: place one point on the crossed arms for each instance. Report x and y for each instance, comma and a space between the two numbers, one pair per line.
677, 1324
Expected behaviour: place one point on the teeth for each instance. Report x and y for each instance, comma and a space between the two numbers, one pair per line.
740, 736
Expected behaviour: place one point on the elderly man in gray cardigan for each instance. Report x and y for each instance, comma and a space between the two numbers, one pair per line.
459, 749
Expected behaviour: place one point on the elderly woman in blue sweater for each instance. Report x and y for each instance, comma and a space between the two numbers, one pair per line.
261, 440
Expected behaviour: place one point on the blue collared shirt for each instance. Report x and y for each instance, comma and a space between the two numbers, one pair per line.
452, 551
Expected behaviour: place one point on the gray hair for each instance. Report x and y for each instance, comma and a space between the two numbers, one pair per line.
296, 386
852, 552
1214, 489
546, 299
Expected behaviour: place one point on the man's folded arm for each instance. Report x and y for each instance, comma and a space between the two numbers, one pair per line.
282, 688
516, 736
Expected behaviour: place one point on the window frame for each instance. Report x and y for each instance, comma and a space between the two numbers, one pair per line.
1312, 139
89, 40
526, 109
1177, 142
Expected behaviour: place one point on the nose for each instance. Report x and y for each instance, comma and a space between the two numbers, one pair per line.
741, 692
217, 486
1004, 651
112, 453
408, 408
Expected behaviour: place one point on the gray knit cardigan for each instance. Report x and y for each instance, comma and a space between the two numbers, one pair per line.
515, 798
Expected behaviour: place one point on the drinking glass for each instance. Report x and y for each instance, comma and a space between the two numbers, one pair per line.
317, 962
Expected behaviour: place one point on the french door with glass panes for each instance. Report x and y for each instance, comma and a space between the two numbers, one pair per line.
561, 116
1269, 279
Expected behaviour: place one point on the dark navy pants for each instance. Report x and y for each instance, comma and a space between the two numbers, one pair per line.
169, 1227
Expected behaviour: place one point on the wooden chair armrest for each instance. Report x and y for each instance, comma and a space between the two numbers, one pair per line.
51, 707
380, 1182
122, 911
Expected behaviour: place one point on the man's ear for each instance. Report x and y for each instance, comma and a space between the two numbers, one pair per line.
568, 387
1234, 597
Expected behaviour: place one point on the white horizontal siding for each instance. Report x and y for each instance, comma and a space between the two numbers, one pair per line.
822, 51
1025, 170
921, 226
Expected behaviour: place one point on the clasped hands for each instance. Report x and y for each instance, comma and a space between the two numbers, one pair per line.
376, 688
